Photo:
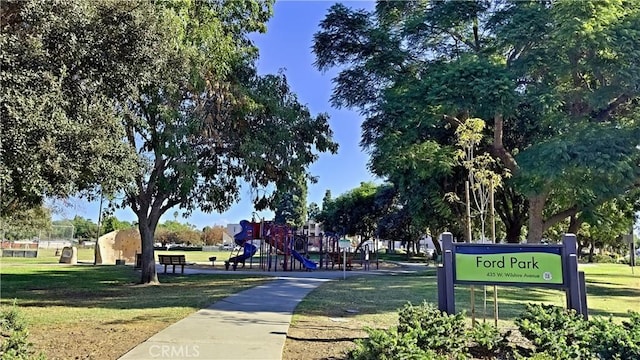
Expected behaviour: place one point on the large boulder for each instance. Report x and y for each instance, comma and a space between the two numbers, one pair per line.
69, 255
118, 245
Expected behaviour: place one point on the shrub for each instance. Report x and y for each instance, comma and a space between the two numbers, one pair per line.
489, 341
604, 258
13, 336
612, 341
389, 345
435, 330
423, 332
561, 333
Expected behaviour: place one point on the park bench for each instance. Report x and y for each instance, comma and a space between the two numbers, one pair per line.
173, 260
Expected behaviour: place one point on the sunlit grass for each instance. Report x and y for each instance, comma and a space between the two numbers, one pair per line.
611, 289
50, 294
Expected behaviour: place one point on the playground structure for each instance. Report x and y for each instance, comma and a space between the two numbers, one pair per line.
275, 242
279, 247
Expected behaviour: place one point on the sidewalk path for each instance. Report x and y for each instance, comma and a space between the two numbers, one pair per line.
251, 324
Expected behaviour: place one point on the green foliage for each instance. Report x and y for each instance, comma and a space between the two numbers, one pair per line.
25, 223
556, 84
84, 228
291, 202
423, 332
390, 345
604, 258
488, 339
561, 333
612, 341
434, 330
64, 64
14, 342
112, 223
174, 232
313, 211
356, 212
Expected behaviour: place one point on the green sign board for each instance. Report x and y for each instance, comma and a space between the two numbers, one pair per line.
486, 264
550, 266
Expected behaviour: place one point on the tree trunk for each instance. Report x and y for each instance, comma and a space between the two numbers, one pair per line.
149, 273
574, 224
513, 234
512, 209
436, 245
580, 246
536, 219
591, 250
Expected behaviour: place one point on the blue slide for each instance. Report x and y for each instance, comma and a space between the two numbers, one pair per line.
249, 251
306, 262
240, 240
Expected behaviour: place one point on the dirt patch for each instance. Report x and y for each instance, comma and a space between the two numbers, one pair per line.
322, 338
92, 341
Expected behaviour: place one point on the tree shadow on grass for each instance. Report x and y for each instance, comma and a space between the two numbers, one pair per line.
114, 287
327, 340
593, 288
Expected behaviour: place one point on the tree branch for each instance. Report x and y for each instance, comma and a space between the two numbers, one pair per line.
452, 120
556, 218
498, 147
603, 114
169, 205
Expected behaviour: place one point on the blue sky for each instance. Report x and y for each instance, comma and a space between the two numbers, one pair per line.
287, 45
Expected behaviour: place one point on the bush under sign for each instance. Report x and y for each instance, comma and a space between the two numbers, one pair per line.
530, 264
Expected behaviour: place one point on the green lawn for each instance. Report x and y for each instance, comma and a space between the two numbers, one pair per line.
611, 290
85, 255
61, 301
68, 306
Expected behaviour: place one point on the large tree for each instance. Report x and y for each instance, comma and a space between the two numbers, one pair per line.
356, 212
290, 202
26, 224
161, 96
64, 64
206, 121
556, 81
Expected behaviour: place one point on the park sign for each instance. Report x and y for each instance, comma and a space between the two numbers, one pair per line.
488, 263
549, 266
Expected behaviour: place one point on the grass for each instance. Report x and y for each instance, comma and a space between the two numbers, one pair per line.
85, 255
80, 311
346, 307
612, 291
61, 301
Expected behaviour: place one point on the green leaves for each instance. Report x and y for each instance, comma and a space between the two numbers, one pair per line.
424, 332
64, 64
543, 75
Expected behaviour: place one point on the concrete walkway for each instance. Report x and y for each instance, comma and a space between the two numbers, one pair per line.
251, 324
